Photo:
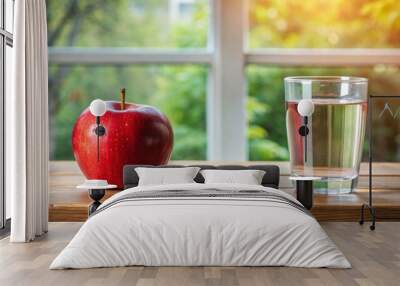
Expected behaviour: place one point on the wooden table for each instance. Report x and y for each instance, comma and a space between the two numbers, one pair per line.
70, 204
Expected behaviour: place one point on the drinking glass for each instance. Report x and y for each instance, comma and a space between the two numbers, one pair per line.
326, 119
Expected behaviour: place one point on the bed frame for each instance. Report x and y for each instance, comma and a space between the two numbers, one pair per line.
270, 179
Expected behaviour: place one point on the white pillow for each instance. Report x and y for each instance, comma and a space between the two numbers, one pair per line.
165, 176
248, 177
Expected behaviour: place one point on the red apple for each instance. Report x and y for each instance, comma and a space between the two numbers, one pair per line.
138, 134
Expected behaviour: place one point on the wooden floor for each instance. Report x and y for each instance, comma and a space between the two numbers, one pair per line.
375, 258
70, 204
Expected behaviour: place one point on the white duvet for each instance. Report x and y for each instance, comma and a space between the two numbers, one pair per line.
200, 231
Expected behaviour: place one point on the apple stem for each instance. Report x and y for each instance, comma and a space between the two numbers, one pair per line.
122, 94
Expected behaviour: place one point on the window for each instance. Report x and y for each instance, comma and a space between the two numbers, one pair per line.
323, 24
216, 68
315, 37
267, 138
6, 43
179, 91
155, 49
128, 23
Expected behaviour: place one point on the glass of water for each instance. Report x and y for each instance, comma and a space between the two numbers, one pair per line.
326, 119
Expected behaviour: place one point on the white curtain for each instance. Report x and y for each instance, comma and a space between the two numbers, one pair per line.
27, 122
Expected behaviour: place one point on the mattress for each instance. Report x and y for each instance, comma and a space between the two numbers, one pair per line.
201, 225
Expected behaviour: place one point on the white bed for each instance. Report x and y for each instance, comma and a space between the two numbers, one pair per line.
184, 230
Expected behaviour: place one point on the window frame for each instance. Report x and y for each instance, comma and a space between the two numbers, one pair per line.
6, 39
226, 56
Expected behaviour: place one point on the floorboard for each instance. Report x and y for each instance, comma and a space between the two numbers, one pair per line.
374, 255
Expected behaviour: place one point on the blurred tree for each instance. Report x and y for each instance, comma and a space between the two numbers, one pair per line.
324, 24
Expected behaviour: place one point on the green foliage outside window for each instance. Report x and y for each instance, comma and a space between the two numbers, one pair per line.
180, 91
